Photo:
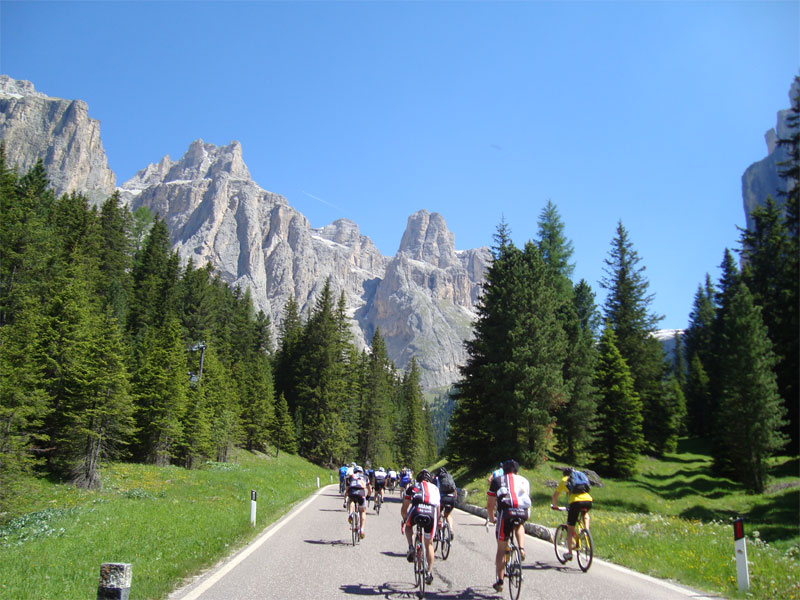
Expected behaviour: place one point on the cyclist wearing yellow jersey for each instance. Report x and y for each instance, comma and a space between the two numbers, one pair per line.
579, 499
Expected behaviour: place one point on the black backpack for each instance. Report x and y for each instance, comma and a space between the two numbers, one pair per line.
447, 484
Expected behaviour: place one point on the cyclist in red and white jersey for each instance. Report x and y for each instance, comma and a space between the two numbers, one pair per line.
422, 498
510, 494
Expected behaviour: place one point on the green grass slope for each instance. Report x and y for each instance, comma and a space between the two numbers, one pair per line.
167, 522
674, 521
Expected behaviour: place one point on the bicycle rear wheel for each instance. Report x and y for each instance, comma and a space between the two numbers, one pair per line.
514, 573
445, 541
378, 503
355, 526
561, 543
585, 549
419, 565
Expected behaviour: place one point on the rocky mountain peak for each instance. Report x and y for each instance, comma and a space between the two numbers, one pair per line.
422, 300
428, 239
17, 88
60, 133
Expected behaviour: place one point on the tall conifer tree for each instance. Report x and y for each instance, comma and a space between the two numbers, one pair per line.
619, 437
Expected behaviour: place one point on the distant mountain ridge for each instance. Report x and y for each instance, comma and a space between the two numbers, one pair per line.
422, 300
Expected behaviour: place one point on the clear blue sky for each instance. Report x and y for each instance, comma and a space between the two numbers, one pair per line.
645, 112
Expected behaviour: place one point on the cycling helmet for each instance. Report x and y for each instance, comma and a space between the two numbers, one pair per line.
567, 471
424, 475
357, 469
352, 464
510, 466
381, 469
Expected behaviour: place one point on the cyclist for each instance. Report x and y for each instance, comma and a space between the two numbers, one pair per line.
392, 479
496, 473
423, 500
578, 501
405, 477
380, 482
348, 474
447, 491
510, 495
358, 488
342, 475
370, 472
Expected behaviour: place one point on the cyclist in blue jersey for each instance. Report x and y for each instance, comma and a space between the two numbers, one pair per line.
342, 475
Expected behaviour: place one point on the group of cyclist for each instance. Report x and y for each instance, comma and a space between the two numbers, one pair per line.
431, 496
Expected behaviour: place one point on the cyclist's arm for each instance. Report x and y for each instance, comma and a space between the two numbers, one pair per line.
491, 505
404, 508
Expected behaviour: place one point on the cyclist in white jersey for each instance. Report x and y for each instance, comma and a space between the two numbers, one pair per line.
510, 495
423, 500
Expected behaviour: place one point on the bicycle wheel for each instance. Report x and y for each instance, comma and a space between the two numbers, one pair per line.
585, 549
419, 564
354, 527
445, 541
514, 573
378, 503
561, 543
423, 570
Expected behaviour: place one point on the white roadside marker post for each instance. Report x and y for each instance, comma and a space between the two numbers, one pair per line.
253, 498
317, 481
115, 581
740, 544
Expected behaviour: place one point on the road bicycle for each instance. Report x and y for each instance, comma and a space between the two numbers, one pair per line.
584, 546
443, 538
513, 561
420, 557
354, 518
378, 503
341, 487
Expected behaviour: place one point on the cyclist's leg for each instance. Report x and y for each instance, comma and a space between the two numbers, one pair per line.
428, 537
520, 533
502, 544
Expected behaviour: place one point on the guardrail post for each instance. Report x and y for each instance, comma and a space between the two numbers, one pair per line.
253, 498
115, 581
740, 544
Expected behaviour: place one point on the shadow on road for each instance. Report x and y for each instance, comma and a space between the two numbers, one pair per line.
329, 542
408, 590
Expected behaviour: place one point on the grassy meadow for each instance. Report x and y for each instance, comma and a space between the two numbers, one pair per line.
674, 521
168, 522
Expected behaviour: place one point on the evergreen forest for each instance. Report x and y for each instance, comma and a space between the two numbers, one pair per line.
110, 349
551, 375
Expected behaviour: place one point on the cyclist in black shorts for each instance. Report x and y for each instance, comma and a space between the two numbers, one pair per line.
358, 488
380, 482
421, 501
447, 491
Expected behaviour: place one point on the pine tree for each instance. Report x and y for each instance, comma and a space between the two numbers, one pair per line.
576, 420
770, 270
627, 309
750, 414
160, 389
284, 434
619, 433
376, 417
412, 444
699, 355
322, 437
512, 383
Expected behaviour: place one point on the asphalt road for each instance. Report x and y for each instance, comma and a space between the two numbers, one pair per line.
309, 555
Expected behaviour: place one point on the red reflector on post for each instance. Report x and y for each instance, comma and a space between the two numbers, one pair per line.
738, 529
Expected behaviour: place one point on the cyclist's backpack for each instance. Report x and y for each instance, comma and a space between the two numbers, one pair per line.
446, 483
578, 483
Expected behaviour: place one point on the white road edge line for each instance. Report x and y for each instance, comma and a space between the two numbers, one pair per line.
252, 547
688, 592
